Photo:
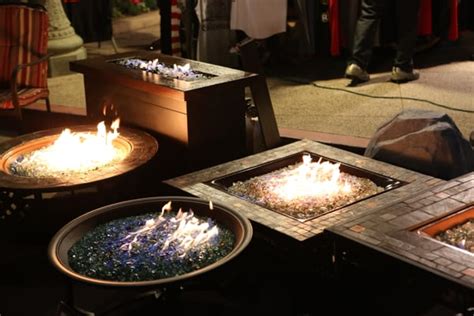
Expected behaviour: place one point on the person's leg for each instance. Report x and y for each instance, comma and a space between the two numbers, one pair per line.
407, 20
407, 26
366, 29
165, 25
164, 42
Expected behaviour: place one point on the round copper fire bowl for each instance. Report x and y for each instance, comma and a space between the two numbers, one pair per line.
67, 236
139, 145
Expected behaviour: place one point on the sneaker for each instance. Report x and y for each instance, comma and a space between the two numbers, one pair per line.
399, 75
355, 72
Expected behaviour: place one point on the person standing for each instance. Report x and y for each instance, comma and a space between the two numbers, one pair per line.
406, 16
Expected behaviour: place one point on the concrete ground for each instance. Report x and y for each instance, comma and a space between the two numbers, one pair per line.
313, 96
312, 100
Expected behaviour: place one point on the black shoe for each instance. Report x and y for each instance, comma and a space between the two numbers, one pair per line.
356, 73
400, 76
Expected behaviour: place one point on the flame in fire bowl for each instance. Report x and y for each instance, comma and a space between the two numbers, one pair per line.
62, 244
135, 147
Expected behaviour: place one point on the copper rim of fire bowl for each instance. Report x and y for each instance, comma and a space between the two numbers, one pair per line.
67, 236
140, 146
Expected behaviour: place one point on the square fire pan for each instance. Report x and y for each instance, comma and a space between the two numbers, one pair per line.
439, 225
225, 182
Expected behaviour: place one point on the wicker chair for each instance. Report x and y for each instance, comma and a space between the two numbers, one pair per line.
23, 58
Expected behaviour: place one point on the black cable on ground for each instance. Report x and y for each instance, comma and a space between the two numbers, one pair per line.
297, 80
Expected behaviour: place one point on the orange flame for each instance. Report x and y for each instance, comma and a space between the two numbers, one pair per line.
311, 179
79, 151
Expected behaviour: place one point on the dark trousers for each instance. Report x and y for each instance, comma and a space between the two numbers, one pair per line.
165, 25
406, 17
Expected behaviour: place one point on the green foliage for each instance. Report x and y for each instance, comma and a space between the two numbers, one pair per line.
116, 13
130, 7
151, 4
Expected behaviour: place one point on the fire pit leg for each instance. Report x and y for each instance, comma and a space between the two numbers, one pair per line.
248, 51
65, 309
153, 294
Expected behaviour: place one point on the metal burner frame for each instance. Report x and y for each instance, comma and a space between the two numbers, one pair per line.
440, 224
225, 182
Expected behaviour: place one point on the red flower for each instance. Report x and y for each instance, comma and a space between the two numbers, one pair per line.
135, 2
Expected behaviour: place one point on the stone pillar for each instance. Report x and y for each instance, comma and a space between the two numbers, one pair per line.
63, 42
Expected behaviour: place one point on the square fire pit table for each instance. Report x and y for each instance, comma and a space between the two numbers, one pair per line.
211, 183
406, 231
205, 115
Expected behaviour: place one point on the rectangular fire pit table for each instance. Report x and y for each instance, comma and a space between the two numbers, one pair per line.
297, 251
205, 115
197, 184
401, 236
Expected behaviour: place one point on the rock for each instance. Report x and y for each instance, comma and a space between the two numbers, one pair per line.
423, 141
409, 121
